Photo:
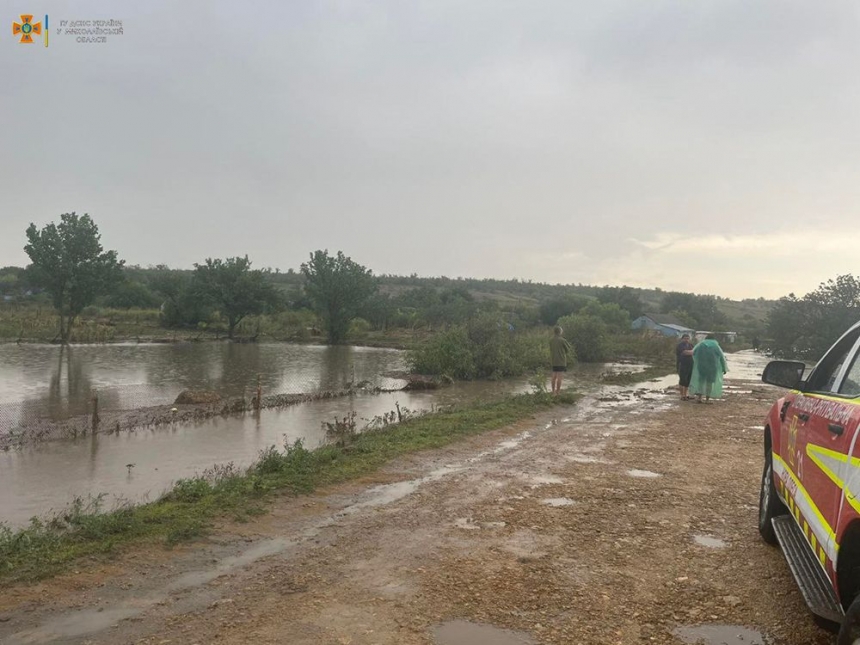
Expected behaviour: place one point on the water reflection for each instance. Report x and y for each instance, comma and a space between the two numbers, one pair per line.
39, 381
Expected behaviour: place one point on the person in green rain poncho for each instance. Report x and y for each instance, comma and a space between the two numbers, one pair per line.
709, 366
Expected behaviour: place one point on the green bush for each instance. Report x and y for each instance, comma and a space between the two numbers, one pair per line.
588, 335
485, 347
358, 327
190, 490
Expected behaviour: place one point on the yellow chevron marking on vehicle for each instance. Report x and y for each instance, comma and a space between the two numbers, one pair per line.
829, 461
822, 557
818, 518
828, 397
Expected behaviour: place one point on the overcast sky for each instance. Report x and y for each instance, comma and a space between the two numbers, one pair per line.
707, 146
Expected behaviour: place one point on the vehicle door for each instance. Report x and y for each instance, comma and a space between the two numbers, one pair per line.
849, 473
820, 438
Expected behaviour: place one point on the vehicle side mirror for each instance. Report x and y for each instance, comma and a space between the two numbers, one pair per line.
784, 374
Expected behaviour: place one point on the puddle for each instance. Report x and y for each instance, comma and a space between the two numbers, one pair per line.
710, 542
579, 458
543, 480
645, 474
558, 501
719, 635
462, 632
510, 444
468, 524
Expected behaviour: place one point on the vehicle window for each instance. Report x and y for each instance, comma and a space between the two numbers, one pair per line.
851, 383
823, 377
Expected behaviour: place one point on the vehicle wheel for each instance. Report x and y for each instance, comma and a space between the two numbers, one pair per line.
769, 504
849, 632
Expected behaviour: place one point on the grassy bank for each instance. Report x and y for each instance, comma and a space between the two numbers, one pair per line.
189, 509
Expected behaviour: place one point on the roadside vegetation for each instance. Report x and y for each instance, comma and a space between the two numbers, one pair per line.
187, 512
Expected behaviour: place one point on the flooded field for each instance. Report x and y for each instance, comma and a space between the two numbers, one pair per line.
47, 382
139, 466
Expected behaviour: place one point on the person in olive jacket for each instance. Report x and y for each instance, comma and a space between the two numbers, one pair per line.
559, 350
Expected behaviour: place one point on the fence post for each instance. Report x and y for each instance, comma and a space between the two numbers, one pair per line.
95, 411
259, 399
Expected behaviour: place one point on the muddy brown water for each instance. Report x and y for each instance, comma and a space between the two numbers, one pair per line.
720, 635
139, 466
50, 382
462, 632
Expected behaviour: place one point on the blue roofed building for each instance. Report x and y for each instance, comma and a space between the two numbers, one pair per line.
663, 324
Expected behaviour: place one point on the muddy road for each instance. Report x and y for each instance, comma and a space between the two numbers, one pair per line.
608, 522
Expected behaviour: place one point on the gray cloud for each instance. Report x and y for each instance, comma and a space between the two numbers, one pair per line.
485, 138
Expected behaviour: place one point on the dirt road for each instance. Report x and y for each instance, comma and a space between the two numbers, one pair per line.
609, 522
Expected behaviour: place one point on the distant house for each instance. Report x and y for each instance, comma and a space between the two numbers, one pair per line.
721, 336
666, 325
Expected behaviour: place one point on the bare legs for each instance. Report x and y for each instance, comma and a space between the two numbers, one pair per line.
556, 382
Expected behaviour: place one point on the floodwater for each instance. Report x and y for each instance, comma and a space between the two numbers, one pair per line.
720, 635
141, 465
462, 632
55, 382
709, 541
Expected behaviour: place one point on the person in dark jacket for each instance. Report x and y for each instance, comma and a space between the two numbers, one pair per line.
684, 364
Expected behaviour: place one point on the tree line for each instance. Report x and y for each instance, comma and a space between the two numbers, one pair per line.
805, 327
73, 271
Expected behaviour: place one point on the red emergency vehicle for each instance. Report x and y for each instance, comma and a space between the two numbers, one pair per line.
810, 488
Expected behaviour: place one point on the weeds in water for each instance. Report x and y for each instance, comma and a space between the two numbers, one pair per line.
398, 415
343, 430
538, 382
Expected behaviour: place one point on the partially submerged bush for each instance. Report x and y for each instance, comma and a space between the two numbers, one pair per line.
588, 335
485, 347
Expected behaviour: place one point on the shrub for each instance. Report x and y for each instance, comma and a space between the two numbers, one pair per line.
552, 310
588, 335
483, 348
447, 353
190, 490
358, 327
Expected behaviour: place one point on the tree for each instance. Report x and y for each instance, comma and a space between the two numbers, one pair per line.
702, 309
182, 304
552, 310
338, 287
130, 294
625, 297
806, 327
235, 289
616, 319
69, 263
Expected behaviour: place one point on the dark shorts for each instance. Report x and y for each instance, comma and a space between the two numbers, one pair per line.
556, 368
685, 373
